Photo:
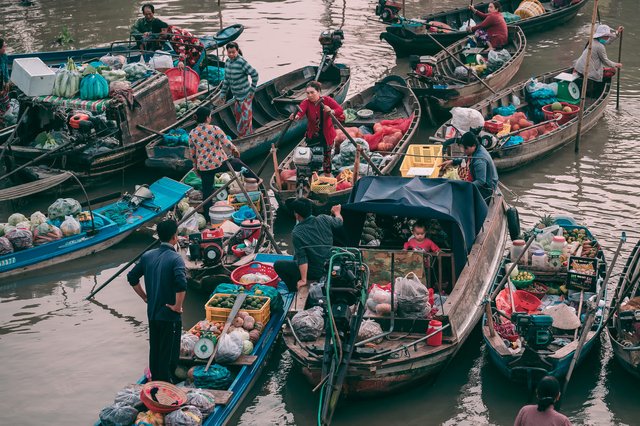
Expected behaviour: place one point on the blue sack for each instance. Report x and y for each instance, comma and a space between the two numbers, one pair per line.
513, 141
505, 111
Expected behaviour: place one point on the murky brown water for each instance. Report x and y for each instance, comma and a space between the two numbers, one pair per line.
62, 359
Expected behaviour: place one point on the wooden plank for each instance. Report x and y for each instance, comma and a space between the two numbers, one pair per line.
496, 342
242, 360
300, 300
568, 349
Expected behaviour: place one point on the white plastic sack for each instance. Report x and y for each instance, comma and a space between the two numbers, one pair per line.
308, 325
465, 119
190, 226
70, 226
202, 400
115, 62
413, 297
467, 24
188, 344
161, 59
229, 348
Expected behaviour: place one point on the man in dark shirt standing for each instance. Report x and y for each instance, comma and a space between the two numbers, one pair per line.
165, 281
312, 242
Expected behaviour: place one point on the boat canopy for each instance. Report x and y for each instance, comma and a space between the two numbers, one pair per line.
457, 203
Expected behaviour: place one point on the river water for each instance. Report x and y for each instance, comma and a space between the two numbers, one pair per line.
62, 359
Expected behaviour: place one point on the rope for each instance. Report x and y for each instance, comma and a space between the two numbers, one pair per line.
31, 188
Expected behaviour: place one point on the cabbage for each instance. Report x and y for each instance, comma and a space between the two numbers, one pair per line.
202, 222
16, 218
183, 205
247, 347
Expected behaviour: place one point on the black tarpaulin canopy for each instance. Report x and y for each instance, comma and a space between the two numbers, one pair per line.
456, 202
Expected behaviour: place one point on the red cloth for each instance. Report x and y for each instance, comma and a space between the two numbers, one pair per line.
425, 245
495, 26
312, 111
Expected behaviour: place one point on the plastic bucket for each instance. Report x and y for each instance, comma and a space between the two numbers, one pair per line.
436, 339
250, 229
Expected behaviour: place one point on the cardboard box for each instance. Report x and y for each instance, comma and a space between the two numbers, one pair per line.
33, 77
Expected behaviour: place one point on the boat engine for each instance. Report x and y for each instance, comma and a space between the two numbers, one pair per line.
331, 42
388, 11
346, 283
536, 329
423, 66
211, 246
307, 161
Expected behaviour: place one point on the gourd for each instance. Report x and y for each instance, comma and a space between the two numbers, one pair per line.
93, 86
67, 82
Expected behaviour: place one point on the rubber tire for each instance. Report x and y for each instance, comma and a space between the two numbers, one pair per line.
513, 222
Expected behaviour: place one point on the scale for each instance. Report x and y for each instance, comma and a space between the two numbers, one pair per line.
568, 90
204, 348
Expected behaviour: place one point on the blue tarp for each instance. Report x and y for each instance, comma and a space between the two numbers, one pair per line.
458, 203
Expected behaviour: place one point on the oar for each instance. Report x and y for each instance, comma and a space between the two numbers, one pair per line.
150, 246
619, 70
275, 145
146, 129
591, 317
441, 46
38, 158
365, 156
234, 311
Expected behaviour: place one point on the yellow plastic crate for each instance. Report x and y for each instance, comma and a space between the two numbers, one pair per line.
422, 161
214, 314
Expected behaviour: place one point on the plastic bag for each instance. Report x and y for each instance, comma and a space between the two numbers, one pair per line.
202, 400
466, 24
45, 233
115, 62
20, 239
149, 418
189, 226
24, 225
187, 344
2, 228
229, 348
16, 218
497, 58
129, 395
5, 246
118, 414
36, 219
413, 297
216, 377
308, 324
70, 226
379, 295
64, 207
465, 119
161, 59
187, 415
369, 329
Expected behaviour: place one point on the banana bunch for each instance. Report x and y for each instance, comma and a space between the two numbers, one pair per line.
67, 82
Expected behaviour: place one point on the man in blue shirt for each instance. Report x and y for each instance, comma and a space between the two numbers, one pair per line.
312, 241
165, 282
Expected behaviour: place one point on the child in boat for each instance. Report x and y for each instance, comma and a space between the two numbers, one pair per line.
419, 241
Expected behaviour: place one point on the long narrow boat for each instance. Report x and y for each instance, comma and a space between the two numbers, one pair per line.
167, 193
409, 38
274, 101
409, 107
475, 234
459, 93
202, 274
248, 369
126, 48
541, 349
623, 324
510, 157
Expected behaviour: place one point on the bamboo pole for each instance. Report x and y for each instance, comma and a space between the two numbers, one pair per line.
618, 73
585, 76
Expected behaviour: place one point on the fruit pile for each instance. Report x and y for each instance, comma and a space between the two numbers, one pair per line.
523, 276
579, 235
227, 301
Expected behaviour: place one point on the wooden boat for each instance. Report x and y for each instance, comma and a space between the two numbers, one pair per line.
538, 355
167, 193
126, 47
248, 368
511, 157
377, 369
410, 107
274, 101
409, 38
445, 91
205, 276
620, 327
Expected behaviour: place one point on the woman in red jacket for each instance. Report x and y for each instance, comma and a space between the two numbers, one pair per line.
494, 25
320, 130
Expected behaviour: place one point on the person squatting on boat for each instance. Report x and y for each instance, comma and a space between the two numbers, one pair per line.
320, 130
482, 170
145, 29
165, 287
548, 393
312, 241
207, 145
237, 73
493, 26
600, 66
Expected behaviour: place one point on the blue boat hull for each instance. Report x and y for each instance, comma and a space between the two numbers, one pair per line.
167, 193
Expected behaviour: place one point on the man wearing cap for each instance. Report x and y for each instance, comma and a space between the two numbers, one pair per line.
482, 170
312, 241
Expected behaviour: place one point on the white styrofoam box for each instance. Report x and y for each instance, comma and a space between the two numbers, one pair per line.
33, 76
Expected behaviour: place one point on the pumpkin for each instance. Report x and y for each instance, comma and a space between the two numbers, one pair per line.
249, 322
254, 335
67, 82
94, 86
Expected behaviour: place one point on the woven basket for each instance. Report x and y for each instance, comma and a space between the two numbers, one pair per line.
324, 185
529, 9
169, 397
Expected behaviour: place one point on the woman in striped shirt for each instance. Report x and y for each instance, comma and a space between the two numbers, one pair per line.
237, 72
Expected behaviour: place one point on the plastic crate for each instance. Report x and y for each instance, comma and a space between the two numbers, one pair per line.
422, 160
221, 314
578, 280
